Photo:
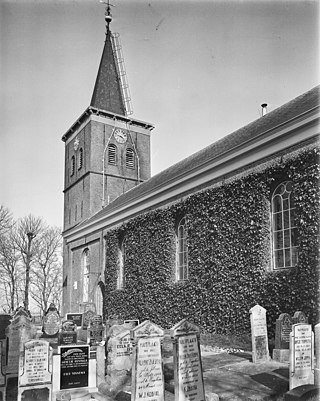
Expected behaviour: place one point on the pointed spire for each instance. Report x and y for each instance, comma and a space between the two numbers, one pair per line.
107, 93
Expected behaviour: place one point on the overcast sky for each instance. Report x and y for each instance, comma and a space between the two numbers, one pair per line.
197, 70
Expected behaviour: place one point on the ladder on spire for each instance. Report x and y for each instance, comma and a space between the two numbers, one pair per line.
117, 49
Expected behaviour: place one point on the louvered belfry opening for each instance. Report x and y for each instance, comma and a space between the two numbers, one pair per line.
112, 154
130, 162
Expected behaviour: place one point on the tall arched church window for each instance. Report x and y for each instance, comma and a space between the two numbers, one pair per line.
112, 154
283, 227
182, 251
86, 274
80, 159
121, 261
130, 159
73, 164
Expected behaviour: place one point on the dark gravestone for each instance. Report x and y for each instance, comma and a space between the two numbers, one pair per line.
68, 333
299, 317
76, 318
51, 322
4, 323
36, 394
12, 389
282, 338
74, 366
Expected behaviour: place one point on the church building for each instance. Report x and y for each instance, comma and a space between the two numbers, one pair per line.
233, 225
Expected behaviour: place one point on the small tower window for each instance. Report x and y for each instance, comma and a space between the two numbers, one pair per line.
112, 154
80, 159
130, 162
73, 164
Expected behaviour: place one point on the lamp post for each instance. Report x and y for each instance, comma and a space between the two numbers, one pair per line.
30, 236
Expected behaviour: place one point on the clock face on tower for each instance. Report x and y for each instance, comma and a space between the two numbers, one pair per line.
120, 135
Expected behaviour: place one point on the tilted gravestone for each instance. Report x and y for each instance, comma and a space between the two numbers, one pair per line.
147, 369
301, 369
187, 365
51, 322
68, 333
259, 334
35, 371
119, 361
282, 338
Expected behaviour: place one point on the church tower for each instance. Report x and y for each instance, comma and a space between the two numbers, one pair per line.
106, 151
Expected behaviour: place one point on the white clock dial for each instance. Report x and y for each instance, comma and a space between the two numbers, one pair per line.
120, 135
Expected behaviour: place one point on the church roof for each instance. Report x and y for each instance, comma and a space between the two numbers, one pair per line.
107, 93
260, 127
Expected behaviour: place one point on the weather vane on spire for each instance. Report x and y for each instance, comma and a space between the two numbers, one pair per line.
107, 14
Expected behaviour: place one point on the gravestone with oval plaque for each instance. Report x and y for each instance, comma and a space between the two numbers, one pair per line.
259, 334
282, 338
187, 365
301, 369
51, 322
147, 369
35, 371
68, 333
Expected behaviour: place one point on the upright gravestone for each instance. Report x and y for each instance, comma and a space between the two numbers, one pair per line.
86, 318
301, 355
35, 372
76, 318
147, 370
188, 377
74, 366
68, 333
51, 322
95, 331
317, 351
85, 306
259, 334
299, 317
282, 338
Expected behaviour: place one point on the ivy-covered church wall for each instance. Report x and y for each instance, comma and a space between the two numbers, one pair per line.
229, 254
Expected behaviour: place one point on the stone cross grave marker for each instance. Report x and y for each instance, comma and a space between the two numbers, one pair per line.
259, 334
51, 322
301, 369
74, 366
68, 333
187, 365
282, 338
147, 369
35, 371
299, 317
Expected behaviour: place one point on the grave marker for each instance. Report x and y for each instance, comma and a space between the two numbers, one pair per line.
86, 318
188, 376
74, 366
301, 355
35, 371
147, 370
259, 334
68, 333
76, 318
299, 317
51, 322
95, 331
282, 338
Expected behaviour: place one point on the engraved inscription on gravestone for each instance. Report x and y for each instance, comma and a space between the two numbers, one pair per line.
301, 355
147, 377
74, 366
76, 318
68, 333
34, 363
260, 348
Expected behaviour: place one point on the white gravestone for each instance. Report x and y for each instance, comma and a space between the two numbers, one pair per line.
301, 355
317, 351
187, 364
35, 370
259, 334
147, 371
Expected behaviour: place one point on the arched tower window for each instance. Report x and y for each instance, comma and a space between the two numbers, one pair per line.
73, 165
112, 154
121, 261
283, 227
182, 251
80, 159
130, 159
86, 274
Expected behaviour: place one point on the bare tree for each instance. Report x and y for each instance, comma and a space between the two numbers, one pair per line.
25, 239
46, 273
6, 220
